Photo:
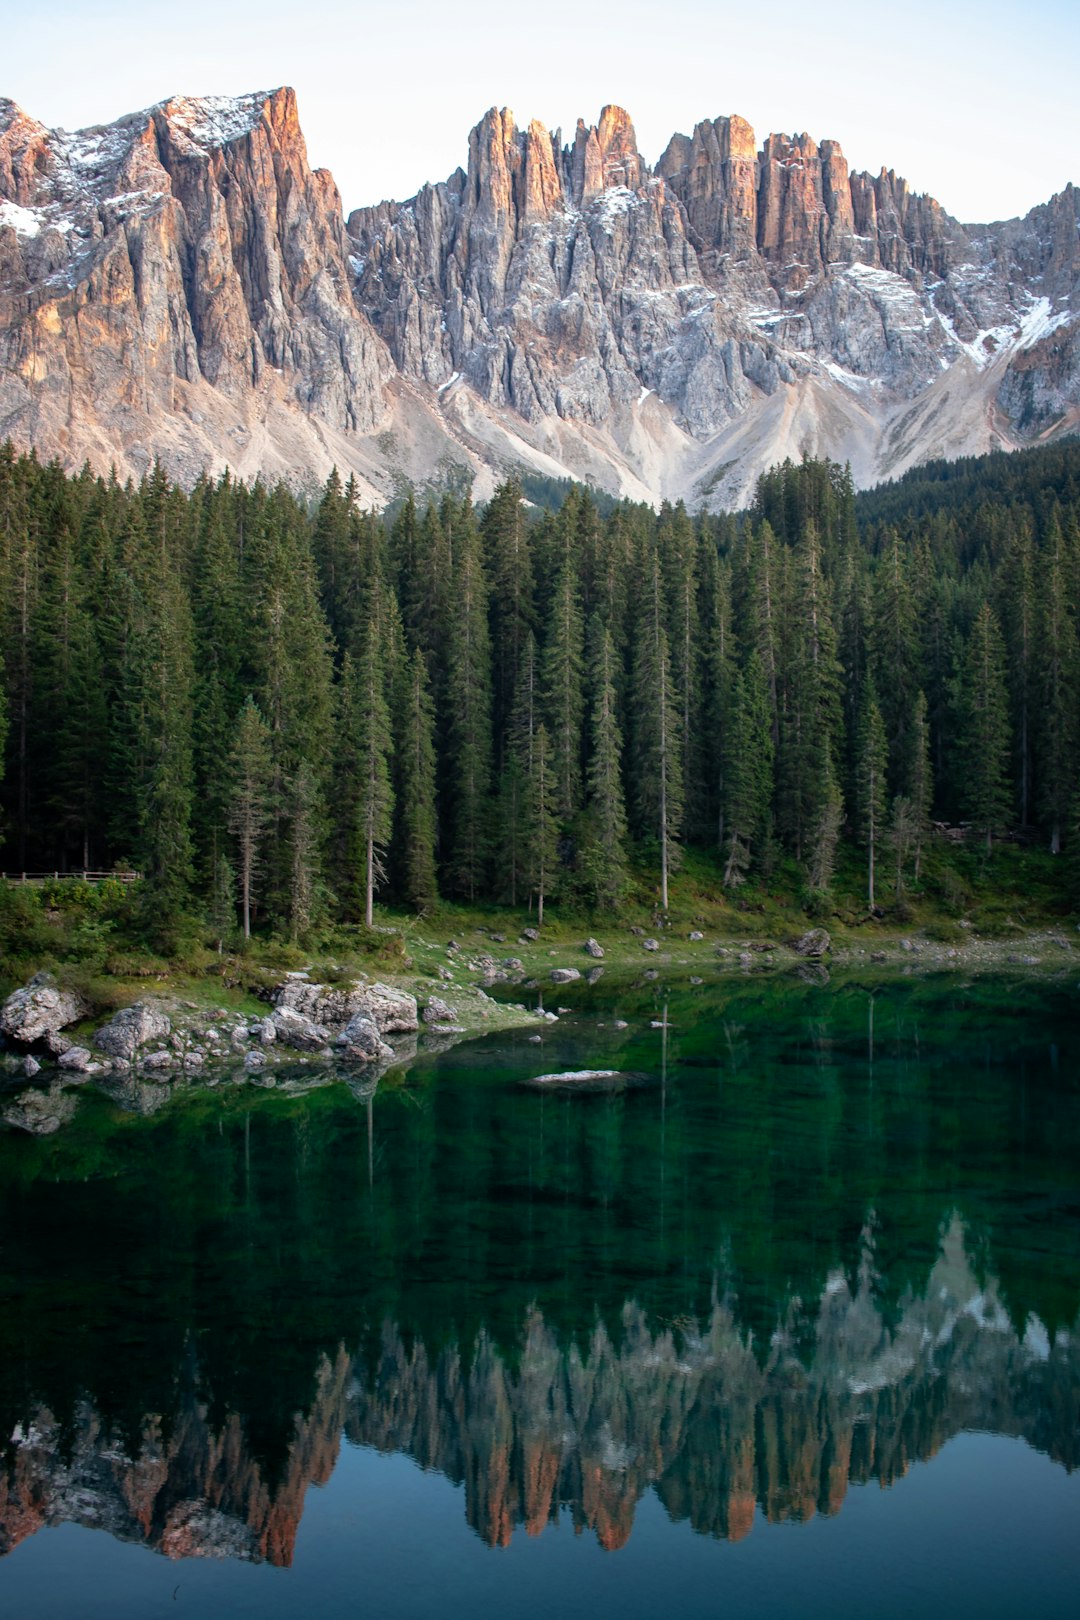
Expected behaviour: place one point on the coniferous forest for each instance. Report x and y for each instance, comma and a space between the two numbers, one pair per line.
278, 710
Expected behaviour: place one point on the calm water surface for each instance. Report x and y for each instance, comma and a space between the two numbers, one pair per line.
787, 1326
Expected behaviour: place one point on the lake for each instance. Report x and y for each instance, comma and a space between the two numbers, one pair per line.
786, 1324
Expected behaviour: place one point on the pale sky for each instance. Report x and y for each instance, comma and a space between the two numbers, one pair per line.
976, 103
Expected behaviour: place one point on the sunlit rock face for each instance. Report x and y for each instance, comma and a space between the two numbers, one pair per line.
181, 284
720, 1428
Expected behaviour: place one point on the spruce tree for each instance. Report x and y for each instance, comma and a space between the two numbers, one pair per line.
542, 822
748, 770
604, 857
871, 764
984, 728
249, 774
657, 744
468, 714
416, 786
562, 678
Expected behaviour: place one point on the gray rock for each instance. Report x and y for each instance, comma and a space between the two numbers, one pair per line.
55, 1043
695, 980
445, 974
438, 1011
564, 975
697, 934
650, 945
296, 1030
536, 1040
594, 974
161, 1059
593, 948
620, 1023
513, 964
394, 1011
815, 942
254, 1061
360, 1041
30, 1066
531, 934
39, 1009
132, 1028
78, 1059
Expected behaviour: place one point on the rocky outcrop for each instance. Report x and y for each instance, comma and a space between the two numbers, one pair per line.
182, 284
393, 1012
133, 1028
39, 1010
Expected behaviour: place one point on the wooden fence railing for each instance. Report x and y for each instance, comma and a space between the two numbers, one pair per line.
71, 877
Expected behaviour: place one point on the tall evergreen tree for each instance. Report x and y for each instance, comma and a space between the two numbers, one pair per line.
871, 764
748, 770
657, 744
985, 738
604, 859
416, 785
249, 774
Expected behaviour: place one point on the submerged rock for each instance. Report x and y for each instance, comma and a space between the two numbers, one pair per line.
588, 1079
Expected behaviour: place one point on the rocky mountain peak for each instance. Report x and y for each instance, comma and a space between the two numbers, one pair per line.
181, 283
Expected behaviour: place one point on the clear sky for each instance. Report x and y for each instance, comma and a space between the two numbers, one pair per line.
975, 101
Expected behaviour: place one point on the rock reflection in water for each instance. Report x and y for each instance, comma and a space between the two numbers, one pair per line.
716, 1425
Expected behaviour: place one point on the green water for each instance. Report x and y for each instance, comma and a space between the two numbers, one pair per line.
467, 1345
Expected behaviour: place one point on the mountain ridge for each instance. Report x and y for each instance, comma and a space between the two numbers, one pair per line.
181, 285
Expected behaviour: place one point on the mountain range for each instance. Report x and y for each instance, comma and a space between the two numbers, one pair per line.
182, 285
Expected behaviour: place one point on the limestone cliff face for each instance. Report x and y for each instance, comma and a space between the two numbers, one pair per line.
182, 284
185, 256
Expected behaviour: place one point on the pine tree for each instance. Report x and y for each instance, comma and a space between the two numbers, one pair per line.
304, 810
657, 744
562, 677
604, 858
748, 770
542, 824
370, 746
871, 763
250, 771
984, 734
416, 786
922, 782
1057, 675
468, 714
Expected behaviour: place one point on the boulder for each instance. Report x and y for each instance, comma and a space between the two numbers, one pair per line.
30, 1066
131, 1029
650, 945
254, 1061
438, 1011
79, 1059
594, 948
295, 1029
39, 1009
564, 975
394, 1011
531, 934
696, 934
815, 942
161, 1059
360, 1042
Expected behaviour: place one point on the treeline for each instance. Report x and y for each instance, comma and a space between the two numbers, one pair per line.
277, 712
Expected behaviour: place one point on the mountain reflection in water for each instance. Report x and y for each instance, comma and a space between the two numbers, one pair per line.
717, 1425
